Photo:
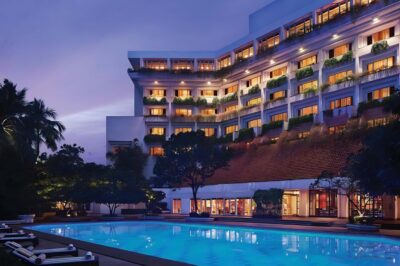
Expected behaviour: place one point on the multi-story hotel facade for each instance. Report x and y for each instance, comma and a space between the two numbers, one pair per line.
304, 65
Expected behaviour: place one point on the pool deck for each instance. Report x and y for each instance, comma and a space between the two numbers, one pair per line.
117, 257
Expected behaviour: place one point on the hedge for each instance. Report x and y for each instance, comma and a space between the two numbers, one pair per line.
347, 57
300, 120
154, 101
245, 134
304, 73
271, 125
274, 83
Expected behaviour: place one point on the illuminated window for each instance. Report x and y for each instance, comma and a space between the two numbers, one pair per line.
339, 103
336, 129
313, 109
305, 87
157, 93
377, 122
231, 89
231, 129
279, 117
253, 81
366, 2
300, 29
380, 93
254, 101
381, 65
208, 111
278, 72
155, 64
205, 65
156, 151
231, 108
183, 112
309, 61
157, 131
209, 132
245, 53
270, 42
182, 130
224, 62
332, 79
182, 64
254, 123
303, 135
380, 36
277, 95
333, 11
183, 93
209, 93
157, 111
340, 50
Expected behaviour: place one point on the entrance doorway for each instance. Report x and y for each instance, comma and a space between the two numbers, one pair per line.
177, 206
290, 203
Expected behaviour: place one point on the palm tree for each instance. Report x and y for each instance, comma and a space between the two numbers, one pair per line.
41, 126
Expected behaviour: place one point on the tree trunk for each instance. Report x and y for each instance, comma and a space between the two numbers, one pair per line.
194, 191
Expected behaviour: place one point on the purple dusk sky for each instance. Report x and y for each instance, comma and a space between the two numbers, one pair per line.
73, 53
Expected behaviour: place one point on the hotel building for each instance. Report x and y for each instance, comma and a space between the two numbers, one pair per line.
304, 67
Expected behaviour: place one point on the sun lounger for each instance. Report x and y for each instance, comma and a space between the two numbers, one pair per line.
28, 258
13, 222
4, 228
19, 233
70, 250
21, 239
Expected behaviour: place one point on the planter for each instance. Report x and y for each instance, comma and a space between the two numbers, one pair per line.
112, 218
363, 227
27, 218
199, 219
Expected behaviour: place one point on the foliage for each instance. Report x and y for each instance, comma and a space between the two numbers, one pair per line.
347, 57
190, 159
324, 87
304, 72
203, 102
150, 138
310, 91
254, 90
269, 202
228, 138
274, 83
271, 125
184, 101
347, 78
379, 47
229, 98
363, 106
152, 199
300, 120
154, 101
245, 134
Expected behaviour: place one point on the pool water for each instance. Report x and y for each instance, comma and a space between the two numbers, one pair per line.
229, 245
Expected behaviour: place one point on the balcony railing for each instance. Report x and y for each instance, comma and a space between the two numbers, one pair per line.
367, 77
250, 110
154, 118
227, 116
181, 118
275, 103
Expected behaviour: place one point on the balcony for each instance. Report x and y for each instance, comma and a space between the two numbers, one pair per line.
307, 94
206, 118
156, 118
226, 116
276, 103
181, 118
368, 77
249, 110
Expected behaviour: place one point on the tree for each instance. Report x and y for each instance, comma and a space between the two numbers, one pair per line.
269, 202
190, 159
152, 199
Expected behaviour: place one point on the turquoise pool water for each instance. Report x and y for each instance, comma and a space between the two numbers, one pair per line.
229, 245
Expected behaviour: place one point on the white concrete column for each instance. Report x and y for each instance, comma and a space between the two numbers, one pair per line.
168, 63
195, 65
141, 64
233, 59
320, 82
255, 46
289, 90
282, 33
358, 70
314, 17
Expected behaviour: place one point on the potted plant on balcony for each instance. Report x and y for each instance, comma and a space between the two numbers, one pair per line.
379, 47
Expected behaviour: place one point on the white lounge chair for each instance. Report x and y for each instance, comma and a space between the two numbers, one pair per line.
21, 239
4, 228
70, 250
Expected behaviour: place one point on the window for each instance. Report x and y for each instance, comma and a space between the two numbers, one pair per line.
155, 64
323, 203
182, 64
209, 132
157, 131
366, 2
208, 111
253, 81
231, 108
182, 130
380, 36
332, 79
205, 65
209, 93
305, 87
231, 129
303, 135
333, 11
254, 101
245, 53
336, 129
183, 93
176, 206
277, 95
156, 151
339, 103
300, 29
231, 89
340, 50
157, 93
309, 61
224, 62
254, 123
377, 122
380, 94
313, 109
157, 111
279, 117
381, 65
270, 42
278, 72
183, 112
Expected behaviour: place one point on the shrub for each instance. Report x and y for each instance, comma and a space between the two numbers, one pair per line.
379, 47
229, 98
310, 91
269, 202
324, 87
304, 72
300, 120
154, 101
367, 220
271, 125
225, 139
153, 138
201, 102
255, 89
274, 83
347, 57
245, 134
202, 214
184, 101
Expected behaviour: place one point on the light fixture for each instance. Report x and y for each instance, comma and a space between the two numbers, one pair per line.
156, 82
301, 49
182, 82
208, 82
225, 80
335, 36
375, 20
272, 61
247, 71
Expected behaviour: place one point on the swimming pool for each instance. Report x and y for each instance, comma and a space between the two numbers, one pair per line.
229, 245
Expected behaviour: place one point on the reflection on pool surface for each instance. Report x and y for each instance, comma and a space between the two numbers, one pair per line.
229, 245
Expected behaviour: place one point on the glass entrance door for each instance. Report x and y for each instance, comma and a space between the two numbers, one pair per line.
290, 203
323, 203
